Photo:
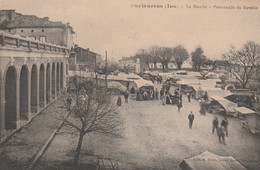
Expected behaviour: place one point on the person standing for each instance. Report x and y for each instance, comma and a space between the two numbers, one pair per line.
215, 124
179, 105
69, 101
224, 124
126, 95
156, 93
119, 101
161, 93
191, 118
163, 98
221, 134
189, 95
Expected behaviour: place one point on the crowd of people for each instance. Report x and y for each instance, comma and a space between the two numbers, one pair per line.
147, 94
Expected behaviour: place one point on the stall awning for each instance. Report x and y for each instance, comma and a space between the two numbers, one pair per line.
208, 160
116, 85
143, 83
244, 110
228, 105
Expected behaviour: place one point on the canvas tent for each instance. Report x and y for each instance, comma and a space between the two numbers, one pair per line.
116, 85
251, 117
143, 83
226, 104
210, 161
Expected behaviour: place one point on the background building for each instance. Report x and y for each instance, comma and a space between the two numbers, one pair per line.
36, 28
82, 59
134, 64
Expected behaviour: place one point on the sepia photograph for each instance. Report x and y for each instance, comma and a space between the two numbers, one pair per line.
129, 85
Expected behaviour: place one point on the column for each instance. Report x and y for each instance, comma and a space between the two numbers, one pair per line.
2, 111
38, 91
18, 102
55, 74
29, 96
44, 87
50, 95
59, 85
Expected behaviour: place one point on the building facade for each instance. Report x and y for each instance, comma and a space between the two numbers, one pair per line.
36, 28
82, 59
32, 74
134, 64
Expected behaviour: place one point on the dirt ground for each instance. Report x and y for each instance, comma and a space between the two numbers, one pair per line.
158, 137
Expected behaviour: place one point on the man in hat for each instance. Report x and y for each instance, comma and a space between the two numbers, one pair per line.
191, 118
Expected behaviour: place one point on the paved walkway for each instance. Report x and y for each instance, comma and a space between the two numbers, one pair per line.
22, 147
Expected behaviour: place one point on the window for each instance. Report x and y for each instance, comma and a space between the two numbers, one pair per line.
21, 30
42, 30
42, 39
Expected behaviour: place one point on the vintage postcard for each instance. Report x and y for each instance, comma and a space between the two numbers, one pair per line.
130, 84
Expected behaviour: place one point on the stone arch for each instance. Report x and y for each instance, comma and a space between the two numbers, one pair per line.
58, 78
61, 75
41, 86
10, 98
24, 91
53, 80
34, 89
48, 84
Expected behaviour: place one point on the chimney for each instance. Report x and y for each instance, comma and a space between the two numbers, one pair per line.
46, 19
11, 14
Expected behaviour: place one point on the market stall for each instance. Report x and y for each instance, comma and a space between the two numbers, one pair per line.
225, 104
250, 119
116, 87
210, 161
144, 89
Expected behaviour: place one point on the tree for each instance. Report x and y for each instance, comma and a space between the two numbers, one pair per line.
154, 53
197, 58
144, 57
165, 55
243, 63
92, 110
180, 54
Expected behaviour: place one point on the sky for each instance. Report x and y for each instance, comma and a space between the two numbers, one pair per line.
120, 29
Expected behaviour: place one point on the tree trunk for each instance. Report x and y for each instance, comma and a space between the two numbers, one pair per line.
179, 66
155, 66
76, 156
163, 67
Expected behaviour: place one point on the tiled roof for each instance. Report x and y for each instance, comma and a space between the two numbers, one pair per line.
33, 21
17, 20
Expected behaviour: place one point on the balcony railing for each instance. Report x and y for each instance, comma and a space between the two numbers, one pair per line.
16, 41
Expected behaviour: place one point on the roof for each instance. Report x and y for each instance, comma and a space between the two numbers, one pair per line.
244, 110
143, 83
228, 105
32, 21
208, 160
239, 92
117, 85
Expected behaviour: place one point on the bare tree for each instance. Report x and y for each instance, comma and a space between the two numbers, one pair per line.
144, 56
165, 55
91, 110
154, 52
180, 54
243, 63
